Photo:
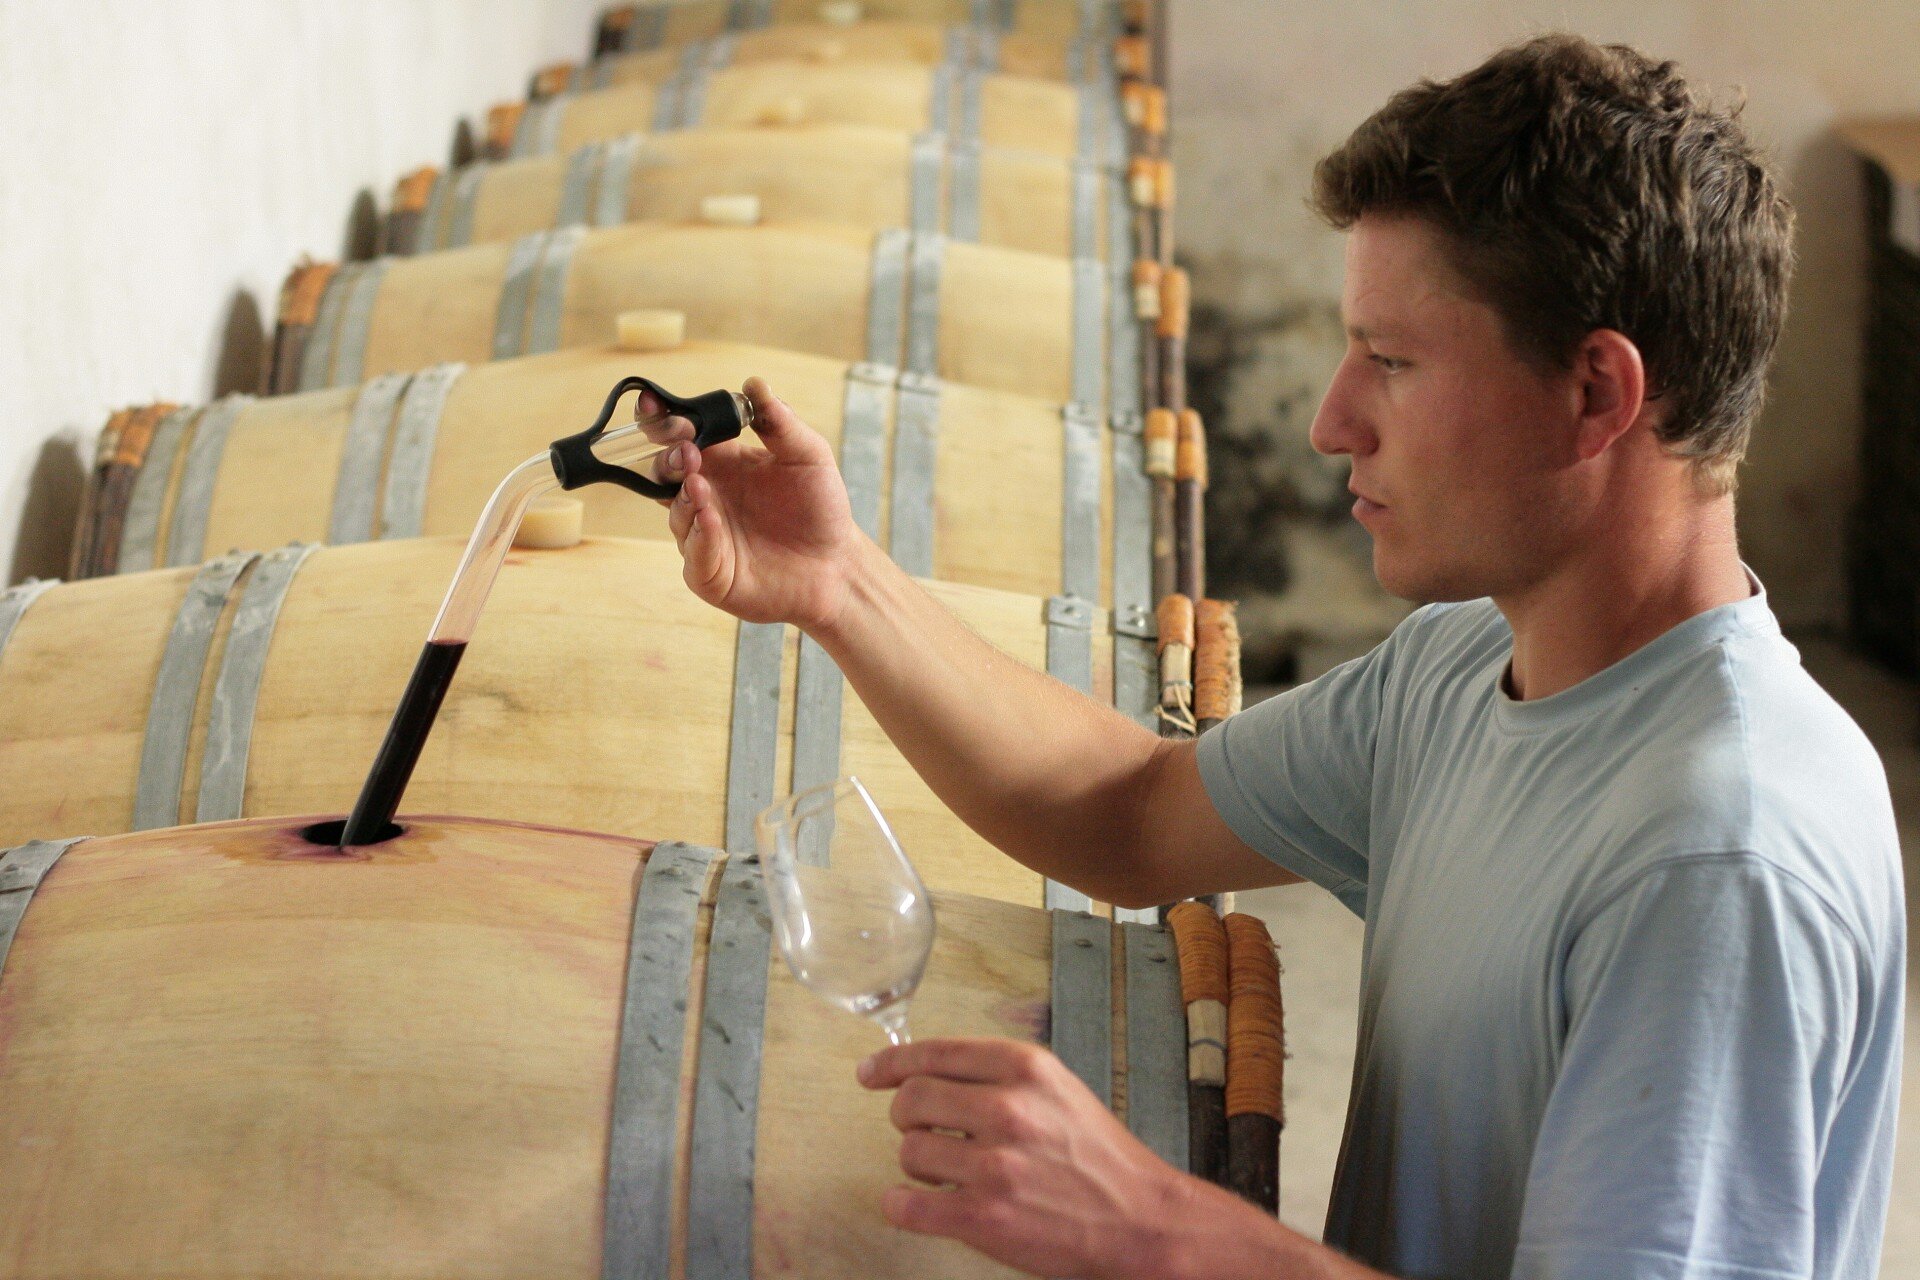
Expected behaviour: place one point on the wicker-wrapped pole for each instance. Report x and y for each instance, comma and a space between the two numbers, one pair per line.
1176, 645
1145, 106
1139, 58
1156, 33
1147, 277
1216, 677
1190, 513
1202, 943
1133, 56
1176, 309
1162, 451
1150, 185
1256, 1063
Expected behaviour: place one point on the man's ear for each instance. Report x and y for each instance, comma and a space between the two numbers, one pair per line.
1612, 384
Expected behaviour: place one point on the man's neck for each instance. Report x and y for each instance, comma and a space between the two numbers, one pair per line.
1621, 592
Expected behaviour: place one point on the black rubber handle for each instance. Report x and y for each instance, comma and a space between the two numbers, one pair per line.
715, 418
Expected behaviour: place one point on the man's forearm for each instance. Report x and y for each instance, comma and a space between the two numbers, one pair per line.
1218, 1236
1042, 771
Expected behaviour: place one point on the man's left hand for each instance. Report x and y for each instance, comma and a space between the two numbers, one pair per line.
1021, 1161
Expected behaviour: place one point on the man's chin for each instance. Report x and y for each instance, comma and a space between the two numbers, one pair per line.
1402, 576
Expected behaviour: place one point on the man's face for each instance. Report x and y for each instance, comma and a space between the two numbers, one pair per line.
1462, 452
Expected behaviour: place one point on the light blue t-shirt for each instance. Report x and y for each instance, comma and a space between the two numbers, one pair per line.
1634, 960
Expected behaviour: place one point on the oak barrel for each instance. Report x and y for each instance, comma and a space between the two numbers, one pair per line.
975, 108
641, 26
997, 318
1015, 53
490, 1049
856, 174
598, 693
1013, 493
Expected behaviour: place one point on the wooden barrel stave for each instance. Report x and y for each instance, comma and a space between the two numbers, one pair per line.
599, 692
674, 25
836, 173
999, 480
1002, 320
1012, 112
883, 40
232, 1053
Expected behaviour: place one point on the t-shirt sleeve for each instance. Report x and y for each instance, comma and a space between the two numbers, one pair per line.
1293, 776
1710, 1006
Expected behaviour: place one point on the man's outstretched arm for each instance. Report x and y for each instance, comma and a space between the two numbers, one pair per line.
1071, 788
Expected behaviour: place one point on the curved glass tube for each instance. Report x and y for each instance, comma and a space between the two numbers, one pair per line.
631, 447
486, 551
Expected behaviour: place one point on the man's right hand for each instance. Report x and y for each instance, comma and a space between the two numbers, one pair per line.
765, 534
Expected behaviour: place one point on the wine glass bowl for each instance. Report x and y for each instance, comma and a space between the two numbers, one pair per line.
850, 915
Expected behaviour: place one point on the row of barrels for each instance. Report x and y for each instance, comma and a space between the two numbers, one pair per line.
942, 230
1007, 419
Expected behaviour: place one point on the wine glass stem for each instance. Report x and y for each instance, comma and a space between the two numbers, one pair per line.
893, 1021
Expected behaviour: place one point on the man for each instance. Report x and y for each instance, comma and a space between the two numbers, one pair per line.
1635, 939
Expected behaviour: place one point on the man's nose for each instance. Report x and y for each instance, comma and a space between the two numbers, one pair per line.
1340, 426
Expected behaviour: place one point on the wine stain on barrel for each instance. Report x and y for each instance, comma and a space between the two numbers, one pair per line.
1035, 1017
372, 818
304, 840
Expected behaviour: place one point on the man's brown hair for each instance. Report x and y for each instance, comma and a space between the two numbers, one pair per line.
1585, 187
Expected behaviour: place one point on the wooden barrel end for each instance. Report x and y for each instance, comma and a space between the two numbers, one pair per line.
411, 195
503, 123
119, 454
611, 35
300, 298
551, 81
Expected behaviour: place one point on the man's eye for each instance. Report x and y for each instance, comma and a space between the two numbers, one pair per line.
1389, 363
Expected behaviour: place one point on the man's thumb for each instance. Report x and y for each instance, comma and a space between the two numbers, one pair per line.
787, 437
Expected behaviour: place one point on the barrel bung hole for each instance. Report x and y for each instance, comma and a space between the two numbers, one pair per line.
328, 833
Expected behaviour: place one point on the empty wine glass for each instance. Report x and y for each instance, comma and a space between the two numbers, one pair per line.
850, 915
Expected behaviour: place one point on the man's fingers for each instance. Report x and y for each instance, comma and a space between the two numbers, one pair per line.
957, 1215
680, 518
979, 1110
677, 463
698, 527
978, 1061
674, 428
787, 438
942, 1160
